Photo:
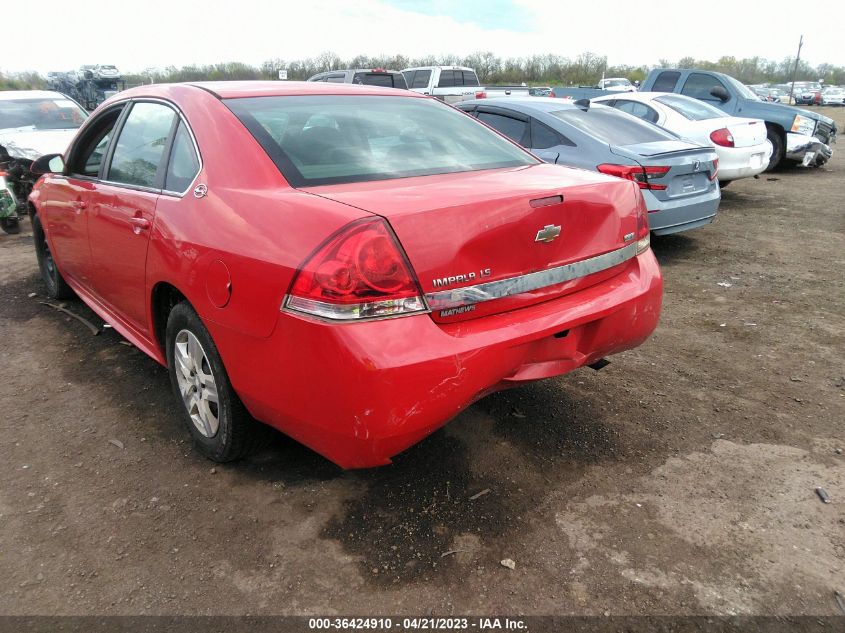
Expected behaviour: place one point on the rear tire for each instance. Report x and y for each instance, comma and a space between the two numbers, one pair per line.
219, 424
724, 183
776, 139
10, 225
57, 287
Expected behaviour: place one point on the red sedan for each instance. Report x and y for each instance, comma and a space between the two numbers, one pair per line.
351, 265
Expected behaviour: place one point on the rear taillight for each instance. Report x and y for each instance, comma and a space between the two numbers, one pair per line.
643, 232
552, 94
643, 176
722, 137
359, 273
480, 95
715, 169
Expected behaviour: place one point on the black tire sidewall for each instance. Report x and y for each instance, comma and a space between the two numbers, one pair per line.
50, 280
777, 149
220, 447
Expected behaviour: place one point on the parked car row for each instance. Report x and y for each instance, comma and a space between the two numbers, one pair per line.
271, 242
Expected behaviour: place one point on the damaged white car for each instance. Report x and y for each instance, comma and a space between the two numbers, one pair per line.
32, 123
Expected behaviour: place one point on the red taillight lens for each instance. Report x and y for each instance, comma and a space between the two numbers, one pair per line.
552, 94
641, 175
722, 137
480, 95
359, 273
715, 169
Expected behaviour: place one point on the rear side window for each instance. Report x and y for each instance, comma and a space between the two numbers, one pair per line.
612, 127
140, 146
385, 80
666, 81
544, 137
698, 86
184, 164
514, 129
421, 79
469, 77
639, 110
692, 109
447, 79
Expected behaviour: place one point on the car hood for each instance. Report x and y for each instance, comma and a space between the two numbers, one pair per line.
805, 113
30, 144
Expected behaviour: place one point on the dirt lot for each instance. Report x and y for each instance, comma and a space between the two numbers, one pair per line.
679, 479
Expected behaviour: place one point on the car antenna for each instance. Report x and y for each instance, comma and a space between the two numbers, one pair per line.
584, 104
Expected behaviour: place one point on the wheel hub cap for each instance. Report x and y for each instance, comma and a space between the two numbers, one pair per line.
197, 385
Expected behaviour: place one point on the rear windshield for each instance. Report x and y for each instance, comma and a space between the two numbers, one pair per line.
47, 113
332, 139
385, 80
693, 109
612, 127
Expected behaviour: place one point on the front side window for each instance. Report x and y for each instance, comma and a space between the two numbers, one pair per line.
421, 79
514, 129
331, 139
336, 78
699, 85
141, 144
184, 164
612, 127
90, 149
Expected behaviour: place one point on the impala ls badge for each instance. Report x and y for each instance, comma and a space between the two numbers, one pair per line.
547, 233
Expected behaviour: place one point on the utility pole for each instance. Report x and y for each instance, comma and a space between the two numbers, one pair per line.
795, 70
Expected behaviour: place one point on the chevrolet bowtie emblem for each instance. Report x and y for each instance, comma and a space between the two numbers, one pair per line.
547, 233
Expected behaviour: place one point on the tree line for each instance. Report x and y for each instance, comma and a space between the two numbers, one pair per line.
549, 69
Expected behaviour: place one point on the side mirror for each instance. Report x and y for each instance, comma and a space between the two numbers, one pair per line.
720, 93
48, 164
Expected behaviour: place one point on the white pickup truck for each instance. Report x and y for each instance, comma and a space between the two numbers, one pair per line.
455, 83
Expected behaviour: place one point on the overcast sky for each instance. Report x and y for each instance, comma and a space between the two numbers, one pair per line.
159, 33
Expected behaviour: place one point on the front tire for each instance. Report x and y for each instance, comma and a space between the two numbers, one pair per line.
776, 139
219, 424
57, 287
10, 225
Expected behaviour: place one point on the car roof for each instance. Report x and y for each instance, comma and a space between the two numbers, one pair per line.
239, 89
9, 95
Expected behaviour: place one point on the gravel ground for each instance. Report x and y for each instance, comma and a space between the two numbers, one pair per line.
678, 480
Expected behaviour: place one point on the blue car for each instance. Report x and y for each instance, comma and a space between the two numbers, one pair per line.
678, 179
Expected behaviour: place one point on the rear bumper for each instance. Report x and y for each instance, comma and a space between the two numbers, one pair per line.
743, 162
674, 216
798, 146
359, 393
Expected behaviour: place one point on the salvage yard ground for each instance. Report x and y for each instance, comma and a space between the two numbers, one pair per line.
679, 479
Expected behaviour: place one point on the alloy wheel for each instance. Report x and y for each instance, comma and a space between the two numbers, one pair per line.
197, 385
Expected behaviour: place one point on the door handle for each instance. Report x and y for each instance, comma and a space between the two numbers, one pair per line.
78, 205
139, 224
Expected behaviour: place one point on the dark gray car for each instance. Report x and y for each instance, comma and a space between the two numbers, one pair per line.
677, 179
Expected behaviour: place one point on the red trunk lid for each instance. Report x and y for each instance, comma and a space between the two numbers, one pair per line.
471, 228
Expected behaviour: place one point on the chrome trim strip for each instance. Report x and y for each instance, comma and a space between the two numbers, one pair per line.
490, 290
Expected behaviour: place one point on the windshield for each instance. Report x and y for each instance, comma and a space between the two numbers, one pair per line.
46, 113
741, 88
692, 109
331, 139
617, 82
613, 127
